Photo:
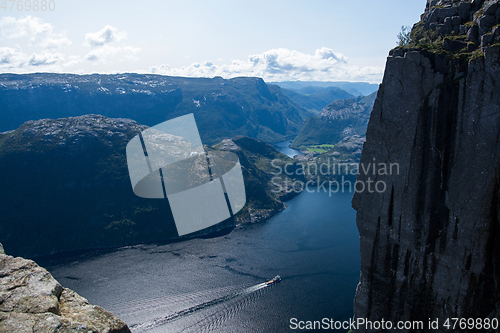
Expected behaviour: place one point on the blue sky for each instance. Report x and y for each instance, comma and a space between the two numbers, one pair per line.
278, 40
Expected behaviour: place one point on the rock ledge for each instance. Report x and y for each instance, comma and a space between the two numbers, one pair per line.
31, 300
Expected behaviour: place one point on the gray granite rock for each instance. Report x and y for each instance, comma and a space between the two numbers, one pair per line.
487, 40
447, 12
473, 34
31, 300
464, 10
464, 30
486, 22
456, 20
453, 45
490, 7
471, 47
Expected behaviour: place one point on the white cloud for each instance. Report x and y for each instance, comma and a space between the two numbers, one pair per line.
8, 56
282, 64
113, 53
104, 48
106, 35
14, 59
23, 27
45, 59
42, 51
72, 60
39, 33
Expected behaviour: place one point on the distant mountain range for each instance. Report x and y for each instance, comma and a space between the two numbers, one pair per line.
338, 120
65, 186
354, 88
315, 98
223, 108
65, 183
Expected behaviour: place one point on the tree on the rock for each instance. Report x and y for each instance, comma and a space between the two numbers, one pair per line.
404, 36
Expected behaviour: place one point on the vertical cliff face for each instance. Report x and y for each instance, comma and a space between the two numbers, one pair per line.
430, 243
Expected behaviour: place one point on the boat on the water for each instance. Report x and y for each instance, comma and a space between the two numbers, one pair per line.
276, 279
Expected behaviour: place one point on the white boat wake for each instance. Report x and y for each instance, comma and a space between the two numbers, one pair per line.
238, 300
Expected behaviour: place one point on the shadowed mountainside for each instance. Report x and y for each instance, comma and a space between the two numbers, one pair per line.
65, 186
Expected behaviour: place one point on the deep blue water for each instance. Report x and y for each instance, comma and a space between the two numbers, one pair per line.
216, 284
284, 147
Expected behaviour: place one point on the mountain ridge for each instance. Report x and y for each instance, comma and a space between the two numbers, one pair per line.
238, 106
354, 88
339, 119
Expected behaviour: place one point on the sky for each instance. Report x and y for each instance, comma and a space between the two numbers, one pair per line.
313, 40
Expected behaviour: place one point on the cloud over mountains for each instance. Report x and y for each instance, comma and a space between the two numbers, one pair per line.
34, 45
282, 65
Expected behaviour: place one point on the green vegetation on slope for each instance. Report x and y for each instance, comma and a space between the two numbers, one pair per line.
319, 148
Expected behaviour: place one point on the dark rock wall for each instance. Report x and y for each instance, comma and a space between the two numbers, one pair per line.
430, 243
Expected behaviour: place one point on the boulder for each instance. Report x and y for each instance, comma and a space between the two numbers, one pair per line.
471, 47
31, 300
448, 23
473, 34
443, 29
453, 45
496, 32
487, 40
433, 16
447, 12
490, 7
486, 22
456, 20
464, 10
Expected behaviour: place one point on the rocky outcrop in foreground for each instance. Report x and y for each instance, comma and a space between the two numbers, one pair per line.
430, 243
31, 300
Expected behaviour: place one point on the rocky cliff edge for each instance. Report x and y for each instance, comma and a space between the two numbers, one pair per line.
31, 300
